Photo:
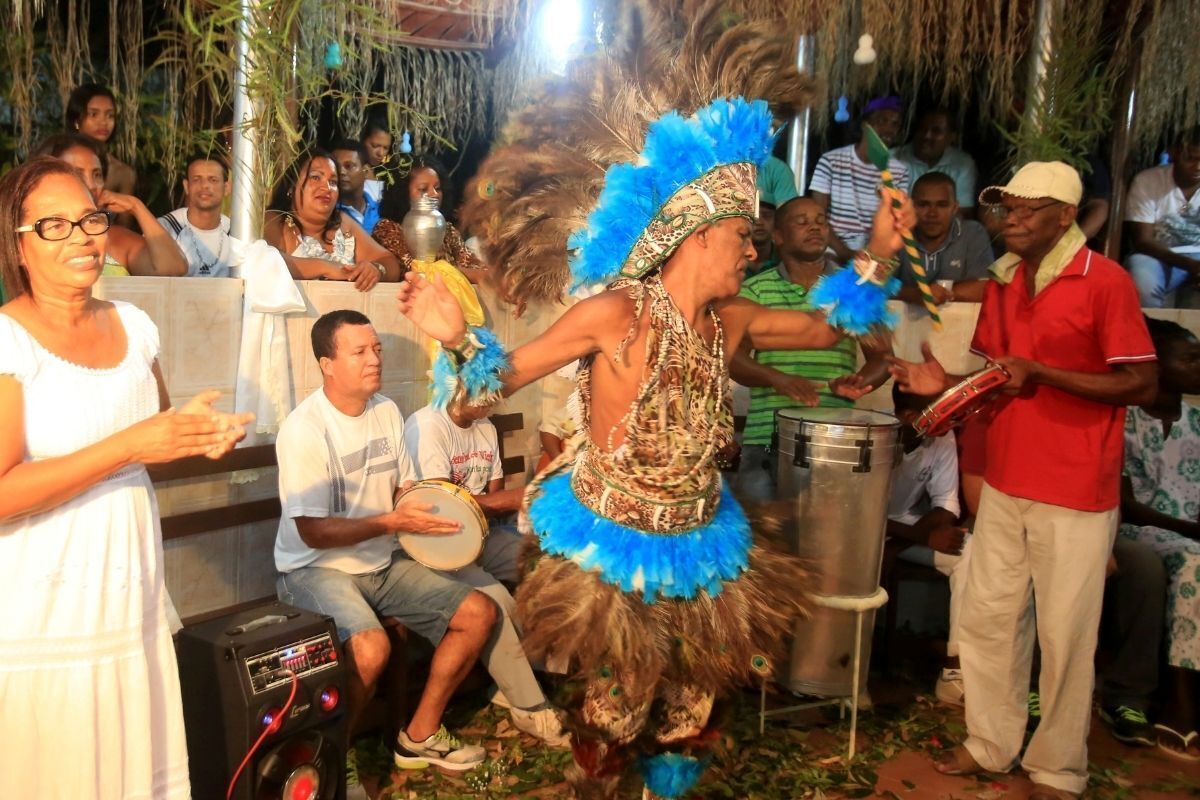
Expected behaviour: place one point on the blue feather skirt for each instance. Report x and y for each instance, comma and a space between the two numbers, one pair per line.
677, 566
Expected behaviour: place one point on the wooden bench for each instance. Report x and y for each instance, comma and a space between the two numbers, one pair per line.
191, 523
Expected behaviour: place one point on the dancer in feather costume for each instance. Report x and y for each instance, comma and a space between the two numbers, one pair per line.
647, 580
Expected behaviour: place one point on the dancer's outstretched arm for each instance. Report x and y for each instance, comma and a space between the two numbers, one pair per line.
577, 333
781, 329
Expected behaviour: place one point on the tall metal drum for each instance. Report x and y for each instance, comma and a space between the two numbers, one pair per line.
837, 463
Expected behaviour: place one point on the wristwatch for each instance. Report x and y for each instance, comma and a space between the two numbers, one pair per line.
380, 267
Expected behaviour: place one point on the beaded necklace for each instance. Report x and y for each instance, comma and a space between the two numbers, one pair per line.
675, 424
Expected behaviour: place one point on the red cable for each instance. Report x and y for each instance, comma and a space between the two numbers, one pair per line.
275, 725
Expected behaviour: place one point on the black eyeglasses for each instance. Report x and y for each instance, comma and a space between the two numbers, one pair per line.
55, 229
1021, 213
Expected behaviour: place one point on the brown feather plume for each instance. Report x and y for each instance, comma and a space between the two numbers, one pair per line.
537, 187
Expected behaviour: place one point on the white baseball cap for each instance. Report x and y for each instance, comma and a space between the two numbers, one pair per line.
1038, 179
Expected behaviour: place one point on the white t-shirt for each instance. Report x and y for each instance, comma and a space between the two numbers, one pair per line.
1155, 199
853, 189
467, 457
931, 469
332, 465
209, 253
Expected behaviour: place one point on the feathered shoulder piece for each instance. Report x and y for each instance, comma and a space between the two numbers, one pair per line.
657, 132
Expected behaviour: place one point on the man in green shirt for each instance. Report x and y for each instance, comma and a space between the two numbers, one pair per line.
788, 378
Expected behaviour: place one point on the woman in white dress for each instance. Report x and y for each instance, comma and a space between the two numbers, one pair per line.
89, 691
319, 242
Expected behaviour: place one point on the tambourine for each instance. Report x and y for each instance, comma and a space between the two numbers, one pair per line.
446, 551
956, 404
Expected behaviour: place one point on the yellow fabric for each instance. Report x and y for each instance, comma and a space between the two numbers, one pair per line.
1052, 265
459, 286
113, 268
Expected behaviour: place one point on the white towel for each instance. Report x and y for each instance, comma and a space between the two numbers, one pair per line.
263, 381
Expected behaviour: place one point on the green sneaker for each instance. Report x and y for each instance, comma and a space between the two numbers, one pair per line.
1129, 725
1035, 711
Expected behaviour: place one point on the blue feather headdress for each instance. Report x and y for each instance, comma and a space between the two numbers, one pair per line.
691, 171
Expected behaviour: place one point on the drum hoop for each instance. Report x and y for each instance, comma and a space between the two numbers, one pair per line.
459, 493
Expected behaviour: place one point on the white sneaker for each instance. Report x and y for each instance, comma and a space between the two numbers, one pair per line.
949, 688
544, 724
441, 749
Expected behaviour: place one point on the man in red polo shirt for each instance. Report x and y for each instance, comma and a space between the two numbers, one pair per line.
1065, 322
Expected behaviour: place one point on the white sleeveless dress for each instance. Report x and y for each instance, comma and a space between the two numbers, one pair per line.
89, 689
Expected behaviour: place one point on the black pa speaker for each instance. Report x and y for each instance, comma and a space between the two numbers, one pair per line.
235, 674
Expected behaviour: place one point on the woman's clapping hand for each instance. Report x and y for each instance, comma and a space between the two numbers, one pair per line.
194, 430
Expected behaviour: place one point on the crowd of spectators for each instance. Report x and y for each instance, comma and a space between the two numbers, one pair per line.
338, 214
958, 237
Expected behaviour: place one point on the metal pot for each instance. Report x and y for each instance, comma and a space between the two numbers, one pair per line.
424, 228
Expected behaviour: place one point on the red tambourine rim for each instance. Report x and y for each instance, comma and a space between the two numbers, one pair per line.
961, 401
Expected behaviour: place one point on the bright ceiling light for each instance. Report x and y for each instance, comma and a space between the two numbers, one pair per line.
559, 25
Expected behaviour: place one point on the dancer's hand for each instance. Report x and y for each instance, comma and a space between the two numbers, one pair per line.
432, 308
925, 378
886, 239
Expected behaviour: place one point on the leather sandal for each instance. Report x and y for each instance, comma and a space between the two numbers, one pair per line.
957, 761
1177, 745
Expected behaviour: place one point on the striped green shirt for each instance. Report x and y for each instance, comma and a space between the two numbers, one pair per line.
774, 289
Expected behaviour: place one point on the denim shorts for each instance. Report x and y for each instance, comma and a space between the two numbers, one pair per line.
422, 599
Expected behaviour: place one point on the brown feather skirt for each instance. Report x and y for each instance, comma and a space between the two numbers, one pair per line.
571, 616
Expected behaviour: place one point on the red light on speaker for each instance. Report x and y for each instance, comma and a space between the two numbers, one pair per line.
329, 699
303, 784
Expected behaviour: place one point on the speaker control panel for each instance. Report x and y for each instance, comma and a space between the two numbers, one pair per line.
272, 668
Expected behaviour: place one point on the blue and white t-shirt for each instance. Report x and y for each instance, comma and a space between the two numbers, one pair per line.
332, 465
210, 254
